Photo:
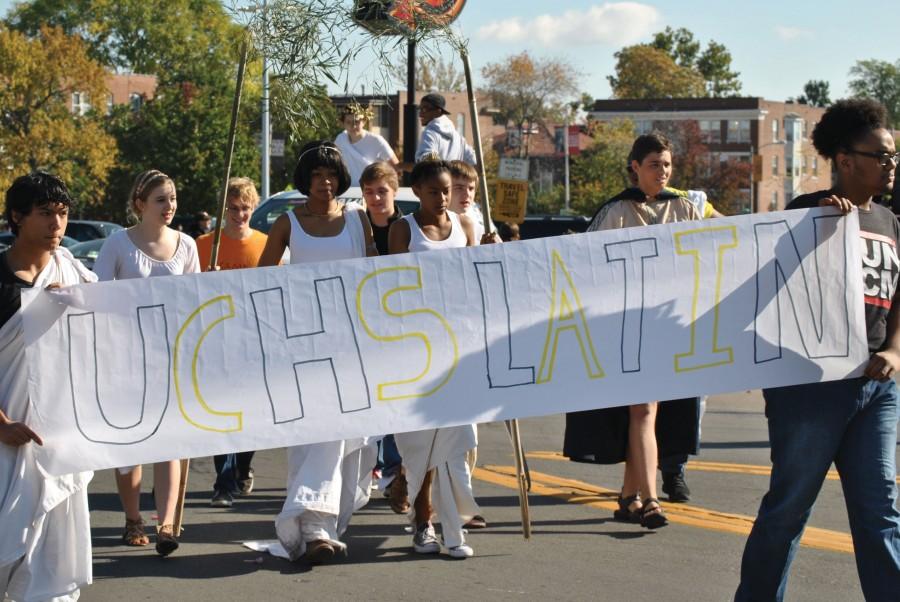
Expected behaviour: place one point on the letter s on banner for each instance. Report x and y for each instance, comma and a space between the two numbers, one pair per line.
439, 341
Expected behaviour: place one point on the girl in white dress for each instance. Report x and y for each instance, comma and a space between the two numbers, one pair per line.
327, 482
436, 456
150, 248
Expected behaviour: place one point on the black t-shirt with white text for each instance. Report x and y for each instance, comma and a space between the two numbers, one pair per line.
879, 234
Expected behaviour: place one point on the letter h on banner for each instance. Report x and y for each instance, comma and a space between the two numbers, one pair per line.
329, 340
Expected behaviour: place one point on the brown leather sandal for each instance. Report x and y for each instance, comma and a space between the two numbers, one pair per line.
134, 534
165, 540
399, 499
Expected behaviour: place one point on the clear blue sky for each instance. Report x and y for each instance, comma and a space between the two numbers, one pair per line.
776, 45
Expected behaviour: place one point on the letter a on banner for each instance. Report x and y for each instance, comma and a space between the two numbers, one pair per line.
566, 314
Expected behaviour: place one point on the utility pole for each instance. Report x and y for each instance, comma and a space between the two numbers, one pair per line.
266, 125
410, 114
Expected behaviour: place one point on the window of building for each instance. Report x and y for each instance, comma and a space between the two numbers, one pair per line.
805, 165
788, 165
710, 131
788, 131
136, 101
80, 104
815, 166
643, 126
773, 206
775, 165
739, 131
774, 130
109, 104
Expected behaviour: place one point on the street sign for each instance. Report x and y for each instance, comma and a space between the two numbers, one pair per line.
510, 200
513, 169
276, 147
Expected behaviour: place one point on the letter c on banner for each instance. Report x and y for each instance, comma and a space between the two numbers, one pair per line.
438, 341
190, 401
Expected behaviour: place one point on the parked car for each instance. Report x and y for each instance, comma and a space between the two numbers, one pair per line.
7, 238
82, 230
87, 251
539, 226
269, 210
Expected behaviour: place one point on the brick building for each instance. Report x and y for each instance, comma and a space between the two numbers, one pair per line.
122, 88
774, 135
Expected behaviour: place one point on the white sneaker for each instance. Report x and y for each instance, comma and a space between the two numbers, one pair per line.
461, 551
425, 541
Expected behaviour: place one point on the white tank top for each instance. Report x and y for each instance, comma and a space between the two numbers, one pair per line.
419, 242
347, 244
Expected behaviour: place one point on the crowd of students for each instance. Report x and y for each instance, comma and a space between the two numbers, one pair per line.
45, 548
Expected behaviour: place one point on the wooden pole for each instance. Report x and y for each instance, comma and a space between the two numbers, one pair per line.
479, 154
513, 427
229, 152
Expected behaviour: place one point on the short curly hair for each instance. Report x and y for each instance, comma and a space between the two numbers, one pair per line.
321, 153
845, 123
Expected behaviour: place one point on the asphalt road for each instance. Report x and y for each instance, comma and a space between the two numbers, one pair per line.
577, 552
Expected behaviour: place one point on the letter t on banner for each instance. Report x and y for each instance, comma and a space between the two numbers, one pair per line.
287, 357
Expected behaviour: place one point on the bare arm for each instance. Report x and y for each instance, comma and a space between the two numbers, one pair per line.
468, 227
279, 237
398, 237
14, 433
371, 249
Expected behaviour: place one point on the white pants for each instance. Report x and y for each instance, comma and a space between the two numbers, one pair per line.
327, 482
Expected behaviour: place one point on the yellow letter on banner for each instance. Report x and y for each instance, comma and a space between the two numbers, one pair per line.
446, 340
191, 403
566, 313
704, 351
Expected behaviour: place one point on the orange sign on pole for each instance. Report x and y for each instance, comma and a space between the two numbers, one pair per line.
510, 201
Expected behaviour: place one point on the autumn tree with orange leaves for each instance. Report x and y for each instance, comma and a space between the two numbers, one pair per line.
38, 129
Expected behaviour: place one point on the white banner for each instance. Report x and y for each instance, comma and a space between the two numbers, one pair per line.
146, 370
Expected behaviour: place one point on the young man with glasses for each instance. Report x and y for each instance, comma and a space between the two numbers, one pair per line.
851, 422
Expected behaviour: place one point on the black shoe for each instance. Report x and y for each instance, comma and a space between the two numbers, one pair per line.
221, 499
675, 487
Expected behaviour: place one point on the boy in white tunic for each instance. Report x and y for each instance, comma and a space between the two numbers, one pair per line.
45, 535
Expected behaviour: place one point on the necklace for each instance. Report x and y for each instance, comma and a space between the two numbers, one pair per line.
327, 213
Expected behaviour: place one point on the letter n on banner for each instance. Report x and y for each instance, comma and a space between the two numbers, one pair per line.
292, 362
789, 288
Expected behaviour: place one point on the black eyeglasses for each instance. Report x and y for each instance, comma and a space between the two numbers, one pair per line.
883, 158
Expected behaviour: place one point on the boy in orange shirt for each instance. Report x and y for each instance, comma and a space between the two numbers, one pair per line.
239, 247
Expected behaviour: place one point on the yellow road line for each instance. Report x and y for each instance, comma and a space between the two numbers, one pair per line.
700, 465
579, 492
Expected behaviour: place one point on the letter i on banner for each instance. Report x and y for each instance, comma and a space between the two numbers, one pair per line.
705, 243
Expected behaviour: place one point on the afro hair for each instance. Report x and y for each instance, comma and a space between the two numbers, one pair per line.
845, 123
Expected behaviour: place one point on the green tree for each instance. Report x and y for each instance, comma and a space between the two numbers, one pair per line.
525, 90
598, 173
177, 40
879, 80
815, 93
713, 64
643, 71
38, 128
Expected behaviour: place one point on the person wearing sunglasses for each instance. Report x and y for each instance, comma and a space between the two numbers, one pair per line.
850, 422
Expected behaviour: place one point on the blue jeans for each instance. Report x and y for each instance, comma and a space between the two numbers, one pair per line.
230, 468
389, 459
852, 423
